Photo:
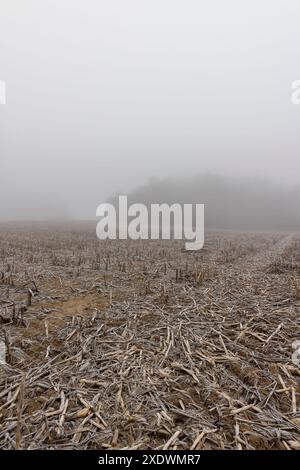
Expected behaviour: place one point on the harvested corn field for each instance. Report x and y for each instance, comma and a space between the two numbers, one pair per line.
143, 345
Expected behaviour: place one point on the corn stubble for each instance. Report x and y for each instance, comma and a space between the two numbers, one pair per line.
142, 345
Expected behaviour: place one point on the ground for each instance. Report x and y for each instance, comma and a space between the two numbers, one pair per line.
143, 345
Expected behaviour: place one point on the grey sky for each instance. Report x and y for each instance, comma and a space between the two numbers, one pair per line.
101, 95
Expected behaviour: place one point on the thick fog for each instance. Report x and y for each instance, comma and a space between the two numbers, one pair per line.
101, 95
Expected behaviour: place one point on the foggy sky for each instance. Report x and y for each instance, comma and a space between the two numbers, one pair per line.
103, 94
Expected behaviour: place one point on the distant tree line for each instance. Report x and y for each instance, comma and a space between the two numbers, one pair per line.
229, 202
